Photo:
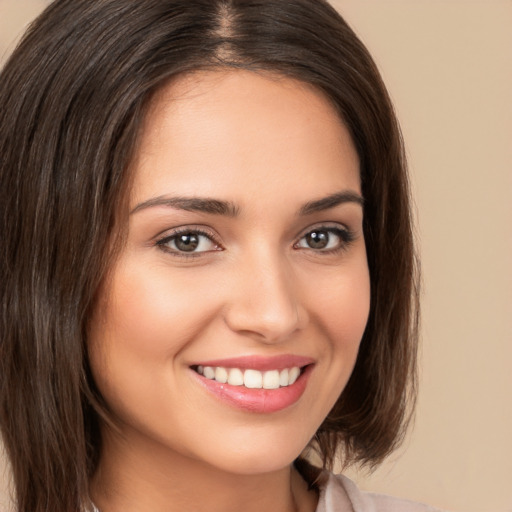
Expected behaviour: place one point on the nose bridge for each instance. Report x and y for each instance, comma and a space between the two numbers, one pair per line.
266, 302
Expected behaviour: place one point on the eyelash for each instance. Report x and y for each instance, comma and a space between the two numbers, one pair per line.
345, 235
163, 242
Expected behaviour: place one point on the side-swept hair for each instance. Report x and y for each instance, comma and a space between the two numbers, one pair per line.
72, 100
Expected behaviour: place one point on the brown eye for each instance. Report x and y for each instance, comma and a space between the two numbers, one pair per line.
325, 239
317, 239
187, 242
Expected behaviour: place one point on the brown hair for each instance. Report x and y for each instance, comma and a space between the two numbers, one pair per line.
73, 96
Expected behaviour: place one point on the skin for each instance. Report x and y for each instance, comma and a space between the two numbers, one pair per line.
268, 145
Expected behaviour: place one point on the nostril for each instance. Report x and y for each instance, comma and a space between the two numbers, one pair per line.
268, 323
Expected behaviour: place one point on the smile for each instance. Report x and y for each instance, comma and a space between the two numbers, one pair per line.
251, 378
256, 384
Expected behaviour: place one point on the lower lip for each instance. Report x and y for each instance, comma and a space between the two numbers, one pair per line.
258, 400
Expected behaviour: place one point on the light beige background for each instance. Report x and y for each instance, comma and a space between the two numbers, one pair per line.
448, 66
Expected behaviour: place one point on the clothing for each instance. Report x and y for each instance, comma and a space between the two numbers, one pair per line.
339, 494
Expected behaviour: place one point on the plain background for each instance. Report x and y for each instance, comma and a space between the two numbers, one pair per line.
448, 67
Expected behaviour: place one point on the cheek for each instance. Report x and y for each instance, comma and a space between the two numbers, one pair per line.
350, 311
342, 307
342, 311
142, 324
151, 313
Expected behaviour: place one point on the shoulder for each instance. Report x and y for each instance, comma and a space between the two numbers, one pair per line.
339, 494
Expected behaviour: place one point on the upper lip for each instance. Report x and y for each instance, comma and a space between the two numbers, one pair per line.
261, 363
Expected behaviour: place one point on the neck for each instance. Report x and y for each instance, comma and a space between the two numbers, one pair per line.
140, 476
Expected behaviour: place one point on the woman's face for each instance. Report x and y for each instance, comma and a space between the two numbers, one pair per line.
233, 316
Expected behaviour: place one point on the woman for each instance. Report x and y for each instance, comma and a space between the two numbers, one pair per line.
207, 259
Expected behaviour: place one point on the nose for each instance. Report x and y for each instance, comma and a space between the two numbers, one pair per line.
265, 303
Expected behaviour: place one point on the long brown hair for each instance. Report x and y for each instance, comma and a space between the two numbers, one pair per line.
72, 99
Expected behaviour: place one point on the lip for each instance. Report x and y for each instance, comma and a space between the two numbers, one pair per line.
260, 363
262, 401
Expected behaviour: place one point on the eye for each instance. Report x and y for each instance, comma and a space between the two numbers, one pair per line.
188, 242
325, 239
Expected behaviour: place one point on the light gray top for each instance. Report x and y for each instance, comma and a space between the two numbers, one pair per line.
339, 494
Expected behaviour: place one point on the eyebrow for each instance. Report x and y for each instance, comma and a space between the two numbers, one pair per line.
230, 209
331, 201
192, 204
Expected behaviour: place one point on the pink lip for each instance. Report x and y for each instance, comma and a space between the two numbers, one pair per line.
260, 363
257, 400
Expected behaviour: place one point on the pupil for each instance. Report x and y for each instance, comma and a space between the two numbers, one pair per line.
317, 239
187, 242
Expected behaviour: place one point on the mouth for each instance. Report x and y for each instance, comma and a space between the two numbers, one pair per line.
256, 384
251, 378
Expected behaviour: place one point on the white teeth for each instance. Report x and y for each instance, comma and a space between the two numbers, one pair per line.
283, 377
271, 379
221, 375
209, 372
253, 379
293, 375
236, 377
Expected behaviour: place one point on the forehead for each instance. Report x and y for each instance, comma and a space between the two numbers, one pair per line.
211, 132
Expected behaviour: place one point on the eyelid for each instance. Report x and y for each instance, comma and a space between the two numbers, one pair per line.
173, 233
346, 235
327, 226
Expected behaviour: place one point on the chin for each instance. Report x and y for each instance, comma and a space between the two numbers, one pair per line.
260, 463
257, 455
